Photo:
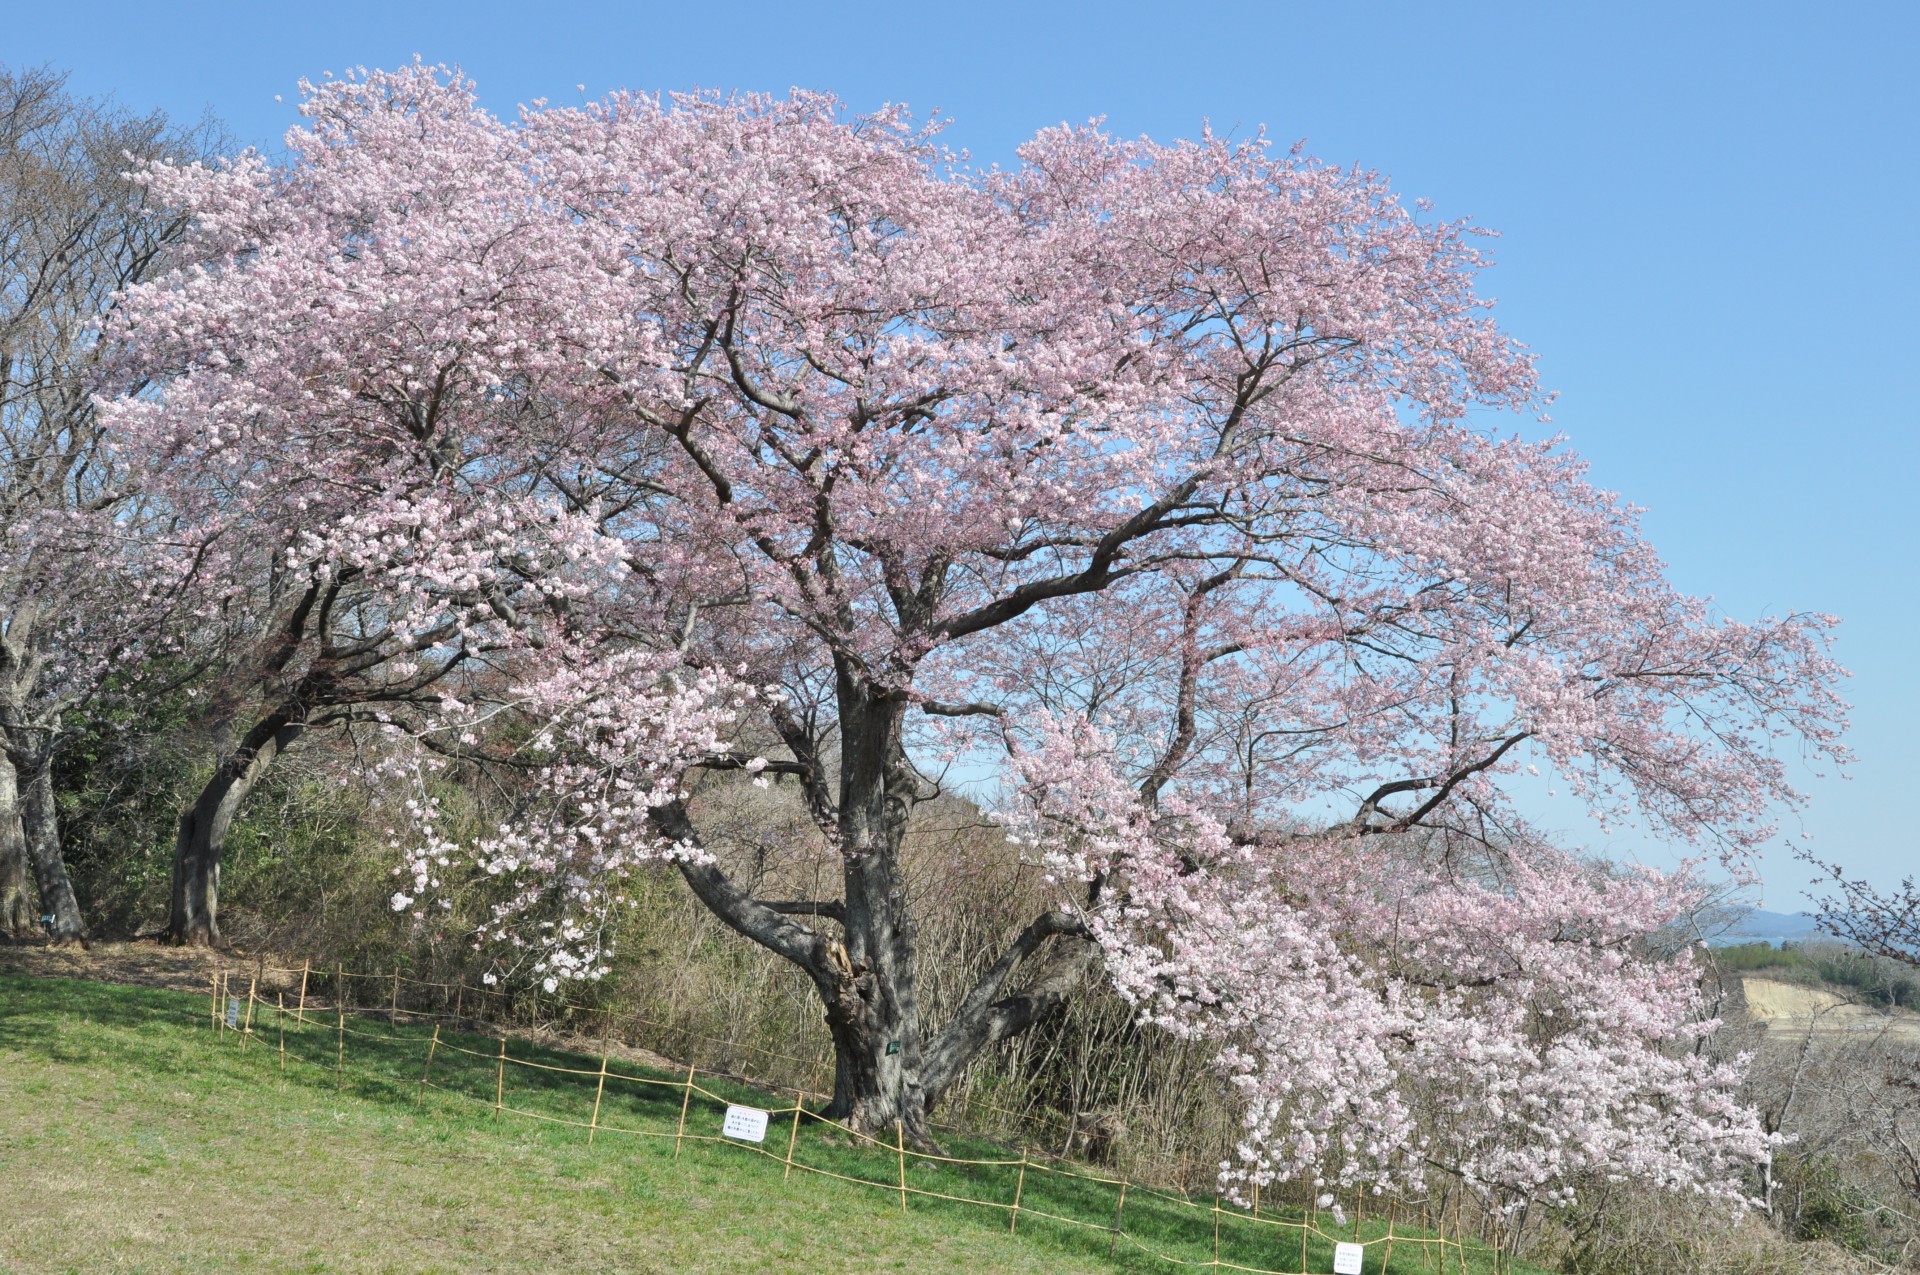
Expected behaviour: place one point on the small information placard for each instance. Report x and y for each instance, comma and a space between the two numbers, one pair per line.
749, 1124
1347, 1259
233, 1011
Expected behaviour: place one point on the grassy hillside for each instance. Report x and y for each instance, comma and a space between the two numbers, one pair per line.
134, 1137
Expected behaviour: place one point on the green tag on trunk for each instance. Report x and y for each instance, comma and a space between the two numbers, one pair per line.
893, 1047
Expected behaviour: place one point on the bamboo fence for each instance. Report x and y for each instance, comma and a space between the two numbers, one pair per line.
1414, 1228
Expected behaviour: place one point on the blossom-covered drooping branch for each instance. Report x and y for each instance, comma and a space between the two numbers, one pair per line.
1381, 1015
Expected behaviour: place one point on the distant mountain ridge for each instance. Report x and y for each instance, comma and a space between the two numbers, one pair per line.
1762, 926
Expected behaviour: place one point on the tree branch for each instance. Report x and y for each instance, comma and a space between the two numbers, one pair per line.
1445, 783
972, 708
983, 1018
746, 916
829, 908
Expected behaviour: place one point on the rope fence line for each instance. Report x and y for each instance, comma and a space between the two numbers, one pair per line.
239, 1016
813, 1064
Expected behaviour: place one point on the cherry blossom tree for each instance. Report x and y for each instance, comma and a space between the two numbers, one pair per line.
347, 423
1147, 474
1493, 1010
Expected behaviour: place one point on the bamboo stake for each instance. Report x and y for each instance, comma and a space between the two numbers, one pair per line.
1113, 1245
900, 1141
793, 1134
393, 1012
1216, 1232
340, 1003
1459, 1237
500, 1081
246, 1033
428, 1069
280, 1020
1386, 1257
1019, 1186
459, 998
686, 1099
593, 1125
1312, 1223
300, 1010
213, 1010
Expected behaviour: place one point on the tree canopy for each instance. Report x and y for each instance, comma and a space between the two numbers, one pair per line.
615, 443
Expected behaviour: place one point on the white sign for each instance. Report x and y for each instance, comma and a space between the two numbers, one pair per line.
749, 1124
1347, 1259
233, 1011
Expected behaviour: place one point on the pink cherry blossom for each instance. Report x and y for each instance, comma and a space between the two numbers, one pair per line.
1158, 478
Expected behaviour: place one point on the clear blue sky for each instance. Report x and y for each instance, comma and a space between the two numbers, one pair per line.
1709, 214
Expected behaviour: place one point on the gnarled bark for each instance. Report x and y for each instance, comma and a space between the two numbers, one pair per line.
872, 1008
16, 907
887, 1068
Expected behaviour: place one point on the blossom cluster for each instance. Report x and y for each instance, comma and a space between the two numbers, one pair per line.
1383, 1013
607, 742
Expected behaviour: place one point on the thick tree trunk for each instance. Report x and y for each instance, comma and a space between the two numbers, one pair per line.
874, 1078
887, 1069
201, 839
40, 822
29, 827
872, 1009
876, 1051
16, 907
884, 1071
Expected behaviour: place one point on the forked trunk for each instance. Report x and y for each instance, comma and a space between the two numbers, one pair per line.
201, 839
888, 1073
885, 1071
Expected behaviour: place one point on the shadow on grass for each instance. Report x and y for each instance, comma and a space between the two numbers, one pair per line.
643, 1115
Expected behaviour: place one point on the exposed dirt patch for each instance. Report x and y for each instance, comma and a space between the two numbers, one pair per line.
141, 962
1799, 1007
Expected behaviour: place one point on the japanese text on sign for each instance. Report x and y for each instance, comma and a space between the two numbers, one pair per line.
749, 1124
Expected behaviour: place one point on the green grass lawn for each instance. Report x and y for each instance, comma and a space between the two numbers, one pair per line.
135, 1137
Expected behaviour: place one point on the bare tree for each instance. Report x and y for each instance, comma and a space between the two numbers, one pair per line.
1884, 923
1834, 1076
74, 230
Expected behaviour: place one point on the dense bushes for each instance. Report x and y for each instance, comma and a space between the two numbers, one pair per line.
1627, 1229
